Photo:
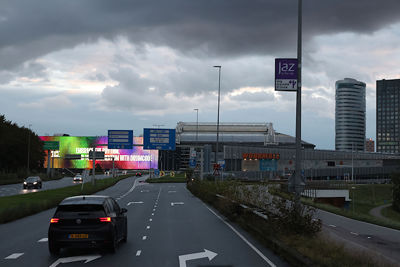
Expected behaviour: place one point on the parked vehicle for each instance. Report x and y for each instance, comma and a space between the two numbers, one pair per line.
87, 221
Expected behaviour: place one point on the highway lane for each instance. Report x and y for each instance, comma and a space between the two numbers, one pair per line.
382, 240
167, 226
15, 189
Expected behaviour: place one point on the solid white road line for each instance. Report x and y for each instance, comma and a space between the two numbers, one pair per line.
43, 240
14, 256
144, 237
331, 225
244, 239
138, 253
353, 233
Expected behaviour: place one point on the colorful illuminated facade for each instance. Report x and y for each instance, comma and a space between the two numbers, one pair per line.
136, 158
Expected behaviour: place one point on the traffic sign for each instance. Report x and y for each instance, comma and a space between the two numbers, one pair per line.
192, 162
161, 139
51, 145
172, 174
162, 173
157, 172
286, 74
120, 139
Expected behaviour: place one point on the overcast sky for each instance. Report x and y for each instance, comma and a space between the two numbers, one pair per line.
83, 67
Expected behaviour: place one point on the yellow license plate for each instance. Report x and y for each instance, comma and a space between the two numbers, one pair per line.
78, 236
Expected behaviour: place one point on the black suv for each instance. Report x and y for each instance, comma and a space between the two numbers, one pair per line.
87, 221
32, 182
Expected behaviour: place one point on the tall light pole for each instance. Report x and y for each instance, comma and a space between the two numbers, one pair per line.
219, 93
29, 147
298, 187
197, 125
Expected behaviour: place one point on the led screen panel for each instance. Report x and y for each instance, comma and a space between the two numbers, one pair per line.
136, 158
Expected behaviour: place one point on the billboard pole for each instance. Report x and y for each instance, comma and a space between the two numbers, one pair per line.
94, 165
298, 186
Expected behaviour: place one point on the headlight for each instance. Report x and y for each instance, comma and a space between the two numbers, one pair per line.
24, 182
34, 182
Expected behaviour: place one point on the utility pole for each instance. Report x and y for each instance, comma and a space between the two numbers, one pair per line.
29, 147
298, 182
197, 125
219, 93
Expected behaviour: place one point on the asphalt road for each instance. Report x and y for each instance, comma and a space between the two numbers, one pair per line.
167, 226
15, 189
381, 240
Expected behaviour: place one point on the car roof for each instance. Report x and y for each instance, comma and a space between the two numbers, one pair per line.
84, 199
31, 177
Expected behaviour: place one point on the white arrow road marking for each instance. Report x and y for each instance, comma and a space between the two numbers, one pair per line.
14, 256
86, 258
135, 202
194, 256
43, 240
176, 203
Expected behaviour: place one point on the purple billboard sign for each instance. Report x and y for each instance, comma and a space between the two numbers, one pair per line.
286, 74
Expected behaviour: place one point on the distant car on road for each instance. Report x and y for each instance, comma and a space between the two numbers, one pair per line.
138, 174
78, 178
87, 221
32, 182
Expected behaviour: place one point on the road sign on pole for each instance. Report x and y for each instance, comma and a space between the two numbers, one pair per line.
51, 145
286, 74
161, 139
120, 139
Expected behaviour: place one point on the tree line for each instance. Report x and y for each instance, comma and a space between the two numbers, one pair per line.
15, 141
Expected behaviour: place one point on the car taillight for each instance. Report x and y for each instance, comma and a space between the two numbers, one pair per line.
54, 220
105, 219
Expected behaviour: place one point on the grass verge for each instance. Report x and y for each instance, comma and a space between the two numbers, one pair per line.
167, 179
391, 214
18, 206
296, 249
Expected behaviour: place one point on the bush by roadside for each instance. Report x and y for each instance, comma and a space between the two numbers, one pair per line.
300, 245
19, 206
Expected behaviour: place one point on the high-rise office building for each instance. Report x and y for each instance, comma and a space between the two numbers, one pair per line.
387, 116
350, 115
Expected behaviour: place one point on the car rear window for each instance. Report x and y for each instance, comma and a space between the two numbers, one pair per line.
80, 208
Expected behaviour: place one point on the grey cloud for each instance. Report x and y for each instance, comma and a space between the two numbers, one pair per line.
206, 28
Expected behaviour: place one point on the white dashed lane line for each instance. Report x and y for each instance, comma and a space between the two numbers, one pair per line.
152, 214
43, 240
150, 220
138, 253
144, 237
14, 256
148, 227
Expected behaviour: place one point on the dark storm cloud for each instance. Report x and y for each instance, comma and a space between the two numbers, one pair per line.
216, 28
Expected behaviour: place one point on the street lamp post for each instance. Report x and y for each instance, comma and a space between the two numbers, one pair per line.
298, 186
197, 125
29, 147
219, 93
